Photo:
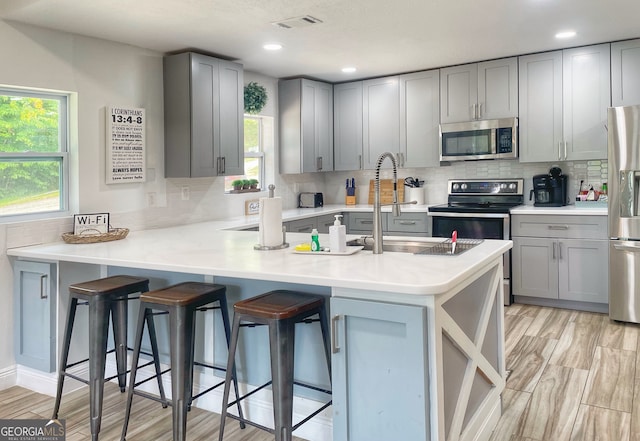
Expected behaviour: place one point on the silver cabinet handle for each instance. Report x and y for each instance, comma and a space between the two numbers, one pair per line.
360, 160
554, 251
366, 222
560, 250
565, 150
407, 222
319, 163
559, 150
43, 287
479, 110
334, 333
558, 227
221, 165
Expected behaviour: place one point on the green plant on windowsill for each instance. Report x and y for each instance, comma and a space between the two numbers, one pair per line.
253, 183
237, 184
245, 184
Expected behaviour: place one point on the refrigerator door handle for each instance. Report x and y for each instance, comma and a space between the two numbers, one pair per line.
629, 192
627, 246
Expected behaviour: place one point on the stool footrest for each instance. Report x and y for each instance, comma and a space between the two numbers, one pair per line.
151, 396
207, 390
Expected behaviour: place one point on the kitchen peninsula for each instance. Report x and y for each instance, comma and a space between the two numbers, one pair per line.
418, 340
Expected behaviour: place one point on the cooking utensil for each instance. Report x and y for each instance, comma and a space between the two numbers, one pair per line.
454, 240
411, 182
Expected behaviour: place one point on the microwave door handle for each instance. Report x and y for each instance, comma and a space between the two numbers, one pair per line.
494, 142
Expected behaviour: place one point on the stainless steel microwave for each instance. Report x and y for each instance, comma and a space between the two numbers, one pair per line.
485, 139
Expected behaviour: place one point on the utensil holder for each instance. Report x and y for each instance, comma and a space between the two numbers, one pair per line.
414, 194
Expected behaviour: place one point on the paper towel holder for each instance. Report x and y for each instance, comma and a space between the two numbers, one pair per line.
283, 245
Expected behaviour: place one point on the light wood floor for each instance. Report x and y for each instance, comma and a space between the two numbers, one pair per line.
574, 377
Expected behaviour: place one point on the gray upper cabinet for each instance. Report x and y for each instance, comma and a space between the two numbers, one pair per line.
306, 126
347, 126
381, 119
204, 124
625, 69
486, 90
564, 96
419, 119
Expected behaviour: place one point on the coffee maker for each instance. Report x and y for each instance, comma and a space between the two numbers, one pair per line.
550, 190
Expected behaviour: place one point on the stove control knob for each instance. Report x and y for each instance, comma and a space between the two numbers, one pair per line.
503, 186
463, 186
512, 186
456, 186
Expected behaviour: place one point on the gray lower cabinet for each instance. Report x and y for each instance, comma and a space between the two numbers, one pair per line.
560, 257
34, 312
625, 65
407, 224
379, 370
204, 123
321, 223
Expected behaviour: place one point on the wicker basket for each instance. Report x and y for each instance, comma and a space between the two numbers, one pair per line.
113, 234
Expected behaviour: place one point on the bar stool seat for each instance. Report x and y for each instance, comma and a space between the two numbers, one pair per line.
105, 297
280, 310
180, 302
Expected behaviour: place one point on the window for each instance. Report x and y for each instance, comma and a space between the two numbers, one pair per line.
253, 153
33, 152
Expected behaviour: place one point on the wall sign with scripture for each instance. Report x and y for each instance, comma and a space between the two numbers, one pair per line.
89, 224
126, 161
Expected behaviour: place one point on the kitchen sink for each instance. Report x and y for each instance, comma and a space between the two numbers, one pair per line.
418, 247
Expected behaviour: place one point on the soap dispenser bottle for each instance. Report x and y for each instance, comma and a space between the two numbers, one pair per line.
338, 236
315, 243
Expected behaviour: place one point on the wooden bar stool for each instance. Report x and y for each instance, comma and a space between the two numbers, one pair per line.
280, 310
105, 297
180, 302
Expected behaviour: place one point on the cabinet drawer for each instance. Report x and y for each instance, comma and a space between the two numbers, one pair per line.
301, 225
408, 223
361, 222
562, 226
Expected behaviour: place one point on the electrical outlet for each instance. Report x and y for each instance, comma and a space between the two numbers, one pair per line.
185, 193
151, 199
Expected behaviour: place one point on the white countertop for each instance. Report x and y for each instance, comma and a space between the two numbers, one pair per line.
573, 210
206, 249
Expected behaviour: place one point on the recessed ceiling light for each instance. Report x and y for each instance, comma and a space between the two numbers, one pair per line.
348, 69
272, 46
566, 34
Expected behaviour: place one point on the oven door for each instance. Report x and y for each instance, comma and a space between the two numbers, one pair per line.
477, 226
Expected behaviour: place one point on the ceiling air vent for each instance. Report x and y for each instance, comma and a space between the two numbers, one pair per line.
297, 22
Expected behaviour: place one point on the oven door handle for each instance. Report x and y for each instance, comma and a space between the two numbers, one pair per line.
480, 214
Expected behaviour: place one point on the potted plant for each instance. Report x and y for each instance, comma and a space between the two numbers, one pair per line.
245, 184
237, 184
253, 183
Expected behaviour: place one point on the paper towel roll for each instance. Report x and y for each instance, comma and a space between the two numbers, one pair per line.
270, 228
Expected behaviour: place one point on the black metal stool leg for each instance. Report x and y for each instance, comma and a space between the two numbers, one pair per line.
282, 341
231, 366
181, 341
99, 318
234, 375
119, 317
64, 356
151, 329
142, 317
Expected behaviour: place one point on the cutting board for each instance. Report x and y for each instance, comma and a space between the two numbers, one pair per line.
386, 190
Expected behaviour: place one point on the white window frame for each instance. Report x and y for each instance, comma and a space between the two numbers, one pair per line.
259, 154
62, 155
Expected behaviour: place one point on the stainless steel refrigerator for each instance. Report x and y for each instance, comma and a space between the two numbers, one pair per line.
624, 213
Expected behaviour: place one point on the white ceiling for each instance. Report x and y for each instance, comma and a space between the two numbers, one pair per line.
379, 37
